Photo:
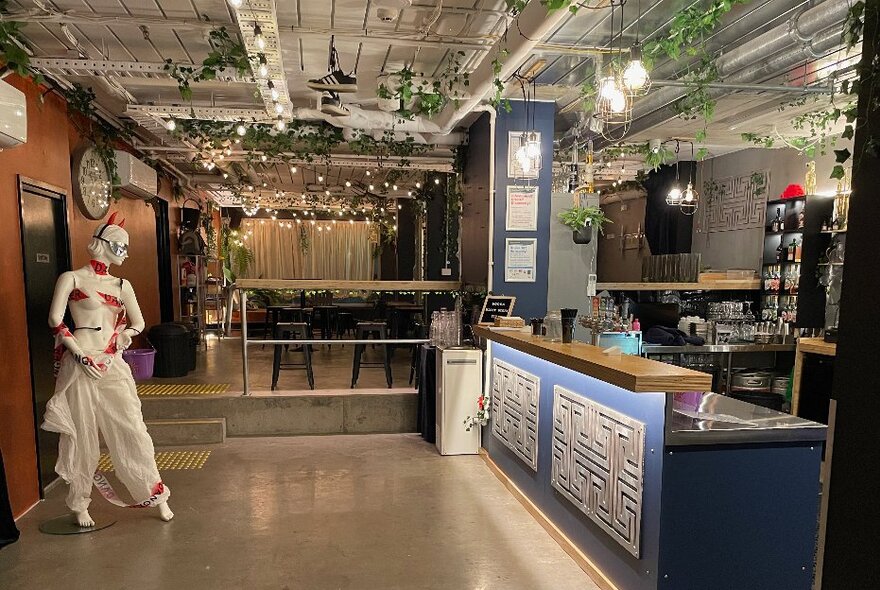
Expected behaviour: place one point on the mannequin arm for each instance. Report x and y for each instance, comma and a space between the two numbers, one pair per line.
63, 287
133, 312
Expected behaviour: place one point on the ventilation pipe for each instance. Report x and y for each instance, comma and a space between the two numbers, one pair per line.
531, 27
813, 31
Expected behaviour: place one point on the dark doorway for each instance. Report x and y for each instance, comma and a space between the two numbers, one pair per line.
163, 251
46, 254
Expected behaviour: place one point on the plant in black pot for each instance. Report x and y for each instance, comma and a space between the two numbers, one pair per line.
582, 220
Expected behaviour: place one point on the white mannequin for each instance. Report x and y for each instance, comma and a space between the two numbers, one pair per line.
94, 388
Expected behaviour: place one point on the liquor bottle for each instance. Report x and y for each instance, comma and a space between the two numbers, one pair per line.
777, 223
810, 178
797, 251
779, 252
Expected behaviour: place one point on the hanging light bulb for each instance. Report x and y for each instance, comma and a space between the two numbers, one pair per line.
320, 178
347, 183
279, 108
372, 187
418, 185
281, 124
367, 172
259, 40
293, 169
241, 129
263, 69
436, 181
674, 196
533, 146
235, 3
264, 157
636, 80
273, 92
171, 125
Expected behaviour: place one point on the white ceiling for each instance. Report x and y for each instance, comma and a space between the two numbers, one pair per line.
141, 34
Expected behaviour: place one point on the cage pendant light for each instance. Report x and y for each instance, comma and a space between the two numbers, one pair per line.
690, 198
636, 79
674, 196
613, 103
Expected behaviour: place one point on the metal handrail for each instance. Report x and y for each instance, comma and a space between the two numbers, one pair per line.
298, 341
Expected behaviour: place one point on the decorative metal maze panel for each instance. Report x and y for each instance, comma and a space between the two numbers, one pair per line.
597, 464
515, 410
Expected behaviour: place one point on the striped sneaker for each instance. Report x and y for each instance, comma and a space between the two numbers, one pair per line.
335, 81
330, 105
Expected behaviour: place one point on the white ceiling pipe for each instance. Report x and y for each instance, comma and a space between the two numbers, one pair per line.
821, 23
532, 25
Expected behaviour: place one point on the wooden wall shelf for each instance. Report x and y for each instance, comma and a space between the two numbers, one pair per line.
716, 285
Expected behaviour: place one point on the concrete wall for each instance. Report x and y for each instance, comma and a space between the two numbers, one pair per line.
531, 297
743, 248
570, 263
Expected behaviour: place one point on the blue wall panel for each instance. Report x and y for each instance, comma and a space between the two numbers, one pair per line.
626, 571
531, 297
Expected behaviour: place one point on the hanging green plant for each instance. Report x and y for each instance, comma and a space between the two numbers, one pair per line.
654, 156
497, 100
13, 54
577, 218
226, 54
418, 96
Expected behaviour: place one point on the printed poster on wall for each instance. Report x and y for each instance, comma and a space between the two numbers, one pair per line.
520, 260
514, 168
522, 208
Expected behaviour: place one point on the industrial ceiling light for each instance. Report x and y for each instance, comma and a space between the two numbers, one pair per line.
259, 40
690, 200
636, 79
533, 146
674, 196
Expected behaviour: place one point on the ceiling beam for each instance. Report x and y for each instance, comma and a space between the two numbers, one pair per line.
98, 67
195, 112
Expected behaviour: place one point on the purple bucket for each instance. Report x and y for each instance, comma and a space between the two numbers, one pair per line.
141, 362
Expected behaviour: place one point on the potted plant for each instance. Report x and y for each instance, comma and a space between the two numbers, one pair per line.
581, 221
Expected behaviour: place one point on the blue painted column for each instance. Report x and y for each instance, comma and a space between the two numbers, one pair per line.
531, 297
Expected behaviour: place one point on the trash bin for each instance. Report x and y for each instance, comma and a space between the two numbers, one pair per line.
192, 344
172, 345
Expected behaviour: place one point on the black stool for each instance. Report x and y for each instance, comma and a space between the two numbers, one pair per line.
364, 331
344, 323
292, 331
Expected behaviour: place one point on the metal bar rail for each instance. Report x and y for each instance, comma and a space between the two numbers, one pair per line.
245, 342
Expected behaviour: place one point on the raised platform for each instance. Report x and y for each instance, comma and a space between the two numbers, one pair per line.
287, 413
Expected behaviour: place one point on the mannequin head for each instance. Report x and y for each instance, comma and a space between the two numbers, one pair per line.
110, 242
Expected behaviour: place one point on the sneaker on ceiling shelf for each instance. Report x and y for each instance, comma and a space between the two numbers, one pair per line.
335, 81
330, 105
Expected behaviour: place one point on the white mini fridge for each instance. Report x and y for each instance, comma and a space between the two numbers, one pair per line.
459, 385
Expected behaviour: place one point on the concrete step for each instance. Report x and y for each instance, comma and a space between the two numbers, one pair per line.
187, 431
288, 414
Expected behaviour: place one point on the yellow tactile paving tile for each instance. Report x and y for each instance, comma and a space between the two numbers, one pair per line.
172, 389
166, 460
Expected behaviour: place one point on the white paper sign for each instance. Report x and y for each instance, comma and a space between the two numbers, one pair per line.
522, 208
520, 256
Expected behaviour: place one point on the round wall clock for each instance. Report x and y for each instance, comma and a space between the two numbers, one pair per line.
92, 185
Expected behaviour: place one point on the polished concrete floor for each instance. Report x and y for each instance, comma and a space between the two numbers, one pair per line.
336, 512
220, 362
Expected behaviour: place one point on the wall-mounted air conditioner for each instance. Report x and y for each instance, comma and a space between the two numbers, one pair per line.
137, 179
13, 116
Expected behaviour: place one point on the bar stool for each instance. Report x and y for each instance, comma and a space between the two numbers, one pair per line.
364, 331
327, 314
292, 331
344, 323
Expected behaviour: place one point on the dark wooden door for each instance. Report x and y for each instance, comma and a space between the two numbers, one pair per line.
45, 252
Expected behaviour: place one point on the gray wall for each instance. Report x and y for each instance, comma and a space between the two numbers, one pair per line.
570, 263
743, 248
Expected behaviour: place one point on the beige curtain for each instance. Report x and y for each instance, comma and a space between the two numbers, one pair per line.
325, 250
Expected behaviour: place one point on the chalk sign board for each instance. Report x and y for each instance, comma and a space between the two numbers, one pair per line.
496, 306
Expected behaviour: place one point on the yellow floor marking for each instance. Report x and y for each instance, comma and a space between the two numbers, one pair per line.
172, 389
166, 460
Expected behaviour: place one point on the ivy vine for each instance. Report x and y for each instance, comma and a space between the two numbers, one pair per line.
13, 55
417, 96
226, 54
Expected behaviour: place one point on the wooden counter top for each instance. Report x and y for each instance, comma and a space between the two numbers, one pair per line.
629, 372
329, 285
817, 346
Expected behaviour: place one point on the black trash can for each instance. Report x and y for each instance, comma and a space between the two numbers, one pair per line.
172, 344
192, 344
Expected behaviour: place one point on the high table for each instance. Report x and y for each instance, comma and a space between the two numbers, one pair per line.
647, 480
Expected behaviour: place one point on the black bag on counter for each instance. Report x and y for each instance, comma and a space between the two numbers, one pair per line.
671, 337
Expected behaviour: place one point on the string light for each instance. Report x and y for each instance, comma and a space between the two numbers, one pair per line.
171, 125
320, 179
273, 92
347, 183
281, 125
259, 40
371, 187
418, 185
263, 70
293, 169
394, 187
436, 181
241, 129
367, 173
279, 108
235, 3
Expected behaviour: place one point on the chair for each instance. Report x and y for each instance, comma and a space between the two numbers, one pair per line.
344, 323
364, 331
292, 331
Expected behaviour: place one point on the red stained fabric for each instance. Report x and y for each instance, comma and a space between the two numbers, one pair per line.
77, 295
99, 267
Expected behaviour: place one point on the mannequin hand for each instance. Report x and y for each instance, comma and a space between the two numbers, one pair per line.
123, 341
88, 366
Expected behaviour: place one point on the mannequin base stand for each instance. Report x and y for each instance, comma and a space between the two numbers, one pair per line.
67, 525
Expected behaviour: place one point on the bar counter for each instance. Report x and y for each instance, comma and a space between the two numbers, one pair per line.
645, 477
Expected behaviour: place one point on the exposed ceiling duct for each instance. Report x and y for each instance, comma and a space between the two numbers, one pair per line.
755, 61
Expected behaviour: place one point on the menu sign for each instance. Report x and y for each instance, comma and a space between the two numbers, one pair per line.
496, 306
522, 208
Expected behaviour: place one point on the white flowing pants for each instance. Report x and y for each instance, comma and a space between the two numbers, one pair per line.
79, 409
